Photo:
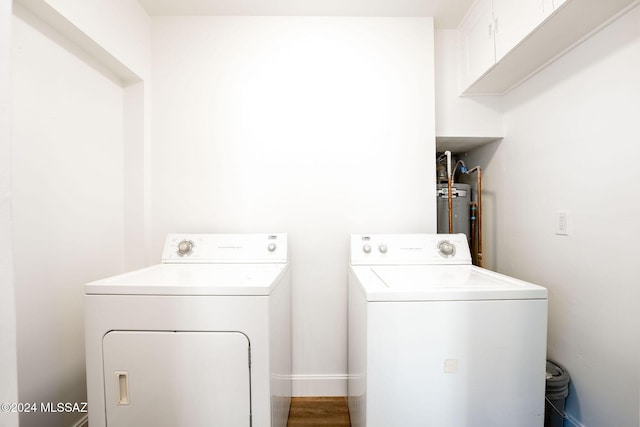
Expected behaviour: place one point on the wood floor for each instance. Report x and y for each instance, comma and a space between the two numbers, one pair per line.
319, 411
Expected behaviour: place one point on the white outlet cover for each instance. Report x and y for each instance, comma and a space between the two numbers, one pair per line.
562, 223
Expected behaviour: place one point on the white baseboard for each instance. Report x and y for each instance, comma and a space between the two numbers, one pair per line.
319, 385
82, 422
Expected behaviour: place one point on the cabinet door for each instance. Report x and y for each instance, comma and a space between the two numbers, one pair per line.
478, 50
169, 379
514, 20
547, 7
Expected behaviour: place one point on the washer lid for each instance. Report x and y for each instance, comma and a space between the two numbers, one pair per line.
442, 283
193, 279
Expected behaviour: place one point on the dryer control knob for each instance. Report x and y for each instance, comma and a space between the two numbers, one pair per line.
366, 249
271, 247
185, 247
382, 249
446, 249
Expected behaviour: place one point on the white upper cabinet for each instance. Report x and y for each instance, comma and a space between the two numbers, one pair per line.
492, 28
477, 38
503, 42
557, 3
513, 20
462, 122
547, 7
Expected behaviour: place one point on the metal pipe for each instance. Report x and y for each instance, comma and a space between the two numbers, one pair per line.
478, 169
472, 243
449, 191
450, 203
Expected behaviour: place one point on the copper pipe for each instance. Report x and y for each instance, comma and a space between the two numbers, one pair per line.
447, 154
478, 169
474, 257
479, 217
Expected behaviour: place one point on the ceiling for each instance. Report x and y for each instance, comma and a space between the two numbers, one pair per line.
446, 13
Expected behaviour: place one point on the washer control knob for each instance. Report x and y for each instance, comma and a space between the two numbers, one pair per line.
366, 249
272, 247
185, 247
382, 248
446, 249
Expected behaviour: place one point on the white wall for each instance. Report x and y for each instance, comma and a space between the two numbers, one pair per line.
8, 369
79, 172
571, 138
67, 189
115, 34
319, 127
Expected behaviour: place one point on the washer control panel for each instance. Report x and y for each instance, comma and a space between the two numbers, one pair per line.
225, 248
410, 249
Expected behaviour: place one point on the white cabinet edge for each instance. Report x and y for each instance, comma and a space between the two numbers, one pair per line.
554, 37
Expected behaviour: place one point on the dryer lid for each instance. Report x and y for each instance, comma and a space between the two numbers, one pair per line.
193, 279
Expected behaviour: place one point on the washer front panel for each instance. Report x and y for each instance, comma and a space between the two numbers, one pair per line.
455, 363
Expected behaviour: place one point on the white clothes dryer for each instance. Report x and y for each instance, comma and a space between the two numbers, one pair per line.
202, 339
436, 341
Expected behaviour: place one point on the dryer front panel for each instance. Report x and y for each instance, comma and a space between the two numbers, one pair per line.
168, 379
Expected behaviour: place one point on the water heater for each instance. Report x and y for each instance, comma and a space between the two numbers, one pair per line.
461, 195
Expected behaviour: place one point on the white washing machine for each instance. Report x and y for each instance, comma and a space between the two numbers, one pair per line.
202, 339
436, 341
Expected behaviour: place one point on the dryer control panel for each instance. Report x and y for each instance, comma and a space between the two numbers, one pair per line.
225, 248
409, 249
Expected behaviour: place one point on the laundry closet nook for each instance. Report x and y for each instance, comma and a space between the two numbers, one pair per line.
129, 120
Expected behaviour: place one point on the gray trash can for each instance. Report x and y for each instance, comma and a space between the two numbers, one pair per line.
556, 392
